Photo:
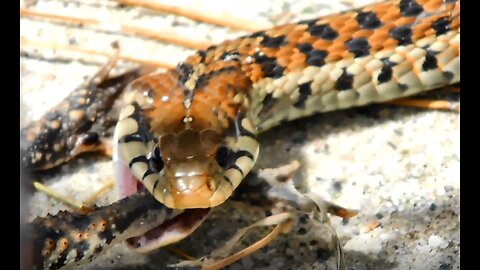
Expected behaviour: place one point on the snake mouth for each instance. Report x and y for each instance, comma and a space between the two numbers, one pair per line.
167, 231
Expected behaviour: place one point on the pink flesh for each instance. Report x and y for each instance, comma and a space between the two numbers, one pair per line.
127, 183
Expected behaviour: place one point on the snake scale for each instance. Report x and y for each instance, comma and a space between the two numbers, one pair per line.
189, 135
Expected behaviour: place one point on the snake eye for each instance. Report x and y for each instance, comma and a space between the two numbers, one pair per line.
222, 155
156, 162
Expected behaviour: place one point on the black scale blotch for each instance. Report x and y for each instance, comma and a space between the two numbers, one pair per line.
386, 72
345, 81
430, 61
410, 8
273, 42
402, 34
305, 48
358, 46
441, 26
305, 92
368, 20
314, 57
184, 70
323, 30
317, 58
270, 67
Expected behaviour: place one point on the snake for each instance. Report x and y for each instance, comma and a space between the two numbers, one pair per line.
188, 136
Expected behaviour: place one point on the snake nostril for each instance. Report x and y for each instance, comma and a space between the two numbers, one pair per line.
222, 155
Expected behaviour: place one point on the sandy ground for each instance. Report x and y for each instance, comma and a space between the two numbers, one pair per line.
398, 166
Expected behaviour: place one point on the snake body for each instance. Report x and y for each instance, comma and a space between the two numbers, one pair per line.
190, 134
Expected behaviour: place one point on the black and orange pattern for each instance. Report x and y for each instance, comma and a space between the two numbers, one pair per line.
220, 98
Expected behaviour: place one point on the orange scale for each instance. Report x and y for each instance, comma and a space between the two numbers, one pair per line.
345, 35
455, 24
248, 43
337, 47
223, 64
430, 32
243, 50
295, 36
390, 43
296, 64
456, 9
286, 50
193, 60
419, 30
347, 54
379, 36
253, 50
297, 55
233, 45
284, 60
322, 44
257, 73
392, 14
256, 42
246, 69
270, 52
218, 65
307, 38
363, 33
381, 7
337, 23
299, 28
377, 39
246, 46
210, 67
404, 21
334, 56
376, 46
351, 21
431, 6
341, 40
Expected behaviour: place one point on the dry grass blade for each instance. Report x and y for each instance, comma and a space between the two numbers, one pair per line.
167, 37
36, 44
221, 20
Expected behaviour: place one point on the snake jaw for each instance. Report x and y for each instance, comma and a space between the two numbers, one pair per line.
192, 191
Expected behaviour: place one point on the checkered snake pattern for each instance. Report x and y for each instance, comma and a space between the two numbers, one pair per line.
189, 135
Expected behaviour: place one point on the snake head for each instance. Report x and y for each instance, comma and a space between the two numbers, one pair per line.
189, 150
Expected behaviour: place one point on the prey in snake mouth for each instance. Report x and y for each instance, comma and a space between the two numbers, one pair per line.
165, 232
